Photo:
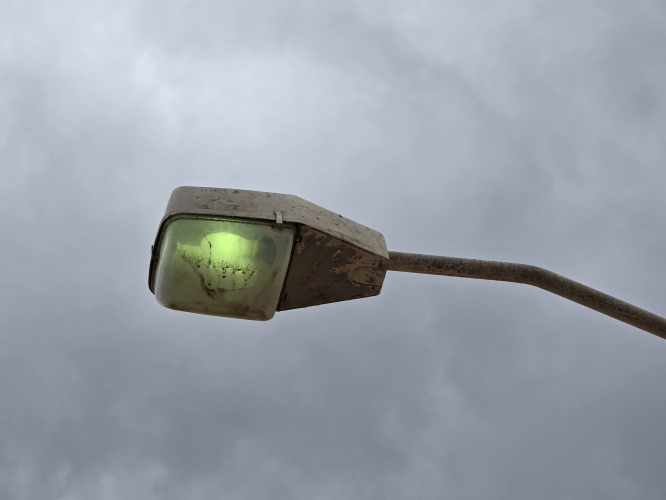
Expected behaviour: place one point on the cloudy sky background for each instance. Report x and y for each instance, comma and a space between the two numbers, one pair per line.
528, 131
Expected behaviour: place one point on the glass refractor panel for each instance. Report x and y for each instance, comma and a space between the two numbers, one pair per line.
222, 267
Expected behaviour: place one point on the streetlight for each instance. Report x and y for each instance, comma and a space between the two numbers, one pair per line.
247, 254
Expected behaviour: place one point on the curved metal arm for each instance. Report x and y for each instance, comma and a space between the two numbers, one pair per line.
530, 275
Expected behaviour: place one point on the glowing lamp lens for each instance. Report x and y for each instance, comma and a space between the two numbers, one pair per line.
222, 267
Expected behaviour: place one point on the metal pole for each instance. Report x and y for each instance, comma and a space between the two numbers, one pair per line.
530, 275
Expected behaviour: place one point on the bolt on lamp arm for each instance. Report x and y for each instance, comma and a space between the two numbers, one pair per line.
530, 275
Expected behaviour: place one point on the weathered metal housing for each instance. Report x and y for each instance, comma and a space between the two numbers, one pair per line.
333, 258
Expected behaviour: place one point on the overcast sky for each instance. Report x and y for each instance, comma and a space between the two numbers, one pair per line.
526, 130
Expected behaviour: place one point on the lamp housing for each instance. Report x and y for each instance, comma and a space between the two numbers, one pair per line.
246, 254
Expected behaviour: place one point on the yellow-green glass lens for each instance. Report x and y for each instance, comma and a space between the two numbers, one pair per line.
222, 267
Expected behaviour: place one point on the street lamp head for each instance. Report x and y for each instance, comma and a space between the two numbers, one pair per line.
246, 254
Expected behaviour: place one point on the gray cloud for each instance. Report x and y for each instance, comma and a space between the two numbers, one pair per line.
533, 133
